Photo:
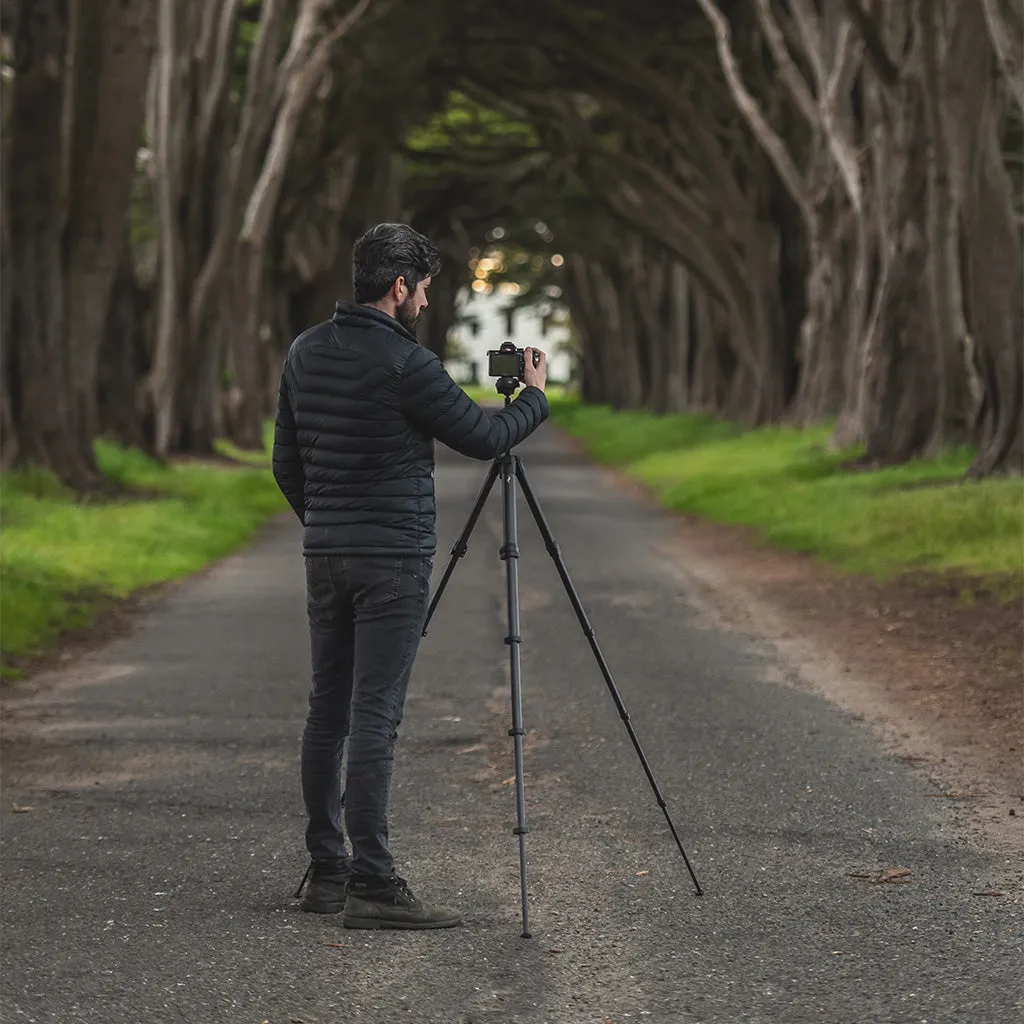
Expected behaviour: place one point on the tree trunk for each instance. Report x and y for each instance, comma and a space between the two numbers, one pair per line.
169, 122
714, 363
245, 400
123, 360
297, 77
677, 343
992, 247
112, 53
898, 374
440, 315
38, 350
951, 420
8, 435
897, 371
595, 340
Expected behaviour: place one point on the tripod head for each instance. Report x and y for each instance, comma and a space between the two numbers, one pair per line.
507, 386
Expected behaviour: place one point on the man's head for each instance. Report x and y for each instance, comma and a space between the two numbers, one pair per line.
391, 269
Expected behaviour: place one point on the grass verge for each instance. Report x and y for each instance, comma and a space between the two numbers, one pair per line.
64, 561
784, 483
488, 394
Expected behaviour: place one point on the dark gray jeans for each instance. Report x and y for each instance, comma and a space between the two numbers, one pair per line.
365, 619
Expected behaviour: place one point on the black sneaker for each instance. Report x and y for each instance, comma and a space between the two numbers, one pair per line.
391, 904
326, 891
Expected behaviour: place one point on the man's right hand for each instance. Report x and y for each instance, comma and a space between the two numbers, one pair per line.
535, 376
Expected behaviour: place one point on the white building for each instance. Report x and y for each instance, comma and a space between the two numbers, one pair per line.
492, 328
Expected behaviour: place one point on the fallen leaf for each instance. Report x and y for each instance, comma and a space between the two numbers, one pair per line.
508, 781
470, 749
19, 809
554, 951
337, 945
891, 875
639, 873
987, 894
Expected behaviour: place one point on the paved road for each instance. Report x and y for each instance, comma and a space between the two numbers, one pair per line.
152, 880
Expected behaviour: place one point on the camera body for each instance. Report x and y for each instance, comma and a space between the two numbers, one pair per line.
507, 361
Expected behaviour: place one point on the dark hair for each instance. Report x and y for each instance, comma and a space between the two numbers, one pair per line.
388, 252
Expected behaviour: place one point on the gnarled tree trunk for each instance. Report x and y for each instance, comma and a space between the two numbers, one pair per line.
113, 49
44, 416
991, 252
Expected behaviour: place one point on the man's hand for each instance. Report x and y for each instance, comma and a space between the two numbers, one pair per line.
535, 376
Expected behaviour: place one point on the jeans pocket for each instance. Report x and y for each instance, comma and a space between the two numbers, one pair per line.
321, 597
377, 580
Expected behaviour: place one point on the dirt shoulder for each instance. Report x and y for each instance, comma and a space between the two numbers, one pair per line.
942, 680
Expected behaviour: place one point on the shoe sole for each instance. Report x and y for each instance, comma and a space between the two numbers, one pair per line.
380, 923
322, 908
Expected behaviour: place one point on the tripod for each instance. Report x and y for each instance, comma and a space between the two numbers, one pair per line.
510, 468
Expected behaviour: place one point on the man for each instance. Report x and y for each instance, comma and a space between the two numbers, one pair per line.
360, 405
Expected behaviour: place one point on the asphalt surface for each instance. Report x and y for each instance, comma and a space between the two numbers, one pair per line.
152, 879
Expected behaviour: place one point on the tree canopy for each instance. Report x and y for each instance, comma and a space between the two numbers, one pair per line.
775, 210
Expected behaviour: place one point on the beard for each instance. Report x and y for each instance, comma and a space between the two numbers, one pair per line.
408, 314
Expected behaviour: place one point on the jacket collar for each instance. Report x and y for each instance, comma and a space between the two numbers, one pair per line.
355, 315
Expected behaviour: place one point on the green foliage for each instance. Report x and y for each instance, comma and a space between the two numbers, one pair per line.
465, 133
64, 561
795, 493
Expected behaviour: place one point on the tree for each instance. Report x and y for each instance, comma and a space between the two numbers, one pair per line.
75, 118
777, 210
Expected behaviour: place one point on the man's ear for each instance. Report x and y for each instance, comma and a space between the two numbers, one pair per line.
399, 291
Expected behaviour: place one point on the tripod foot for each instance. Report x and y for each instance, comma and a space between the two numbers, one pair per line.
527, 935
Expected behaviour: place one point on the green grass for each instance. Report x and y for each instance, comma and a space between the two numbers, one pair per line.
488, 394
64, 561
786, 485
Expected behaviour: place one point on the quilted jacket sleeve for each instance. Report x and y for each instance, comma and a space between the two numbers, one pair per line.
439, 407
287, 463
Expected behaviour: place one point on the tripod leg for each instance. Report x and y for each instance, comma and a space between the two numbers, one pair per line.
588, 631
461, 546
510, 554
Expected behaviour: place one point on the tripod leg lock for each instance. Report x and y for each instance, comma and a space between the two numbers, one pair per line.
513, 640
509, 551
517, 732
517, 831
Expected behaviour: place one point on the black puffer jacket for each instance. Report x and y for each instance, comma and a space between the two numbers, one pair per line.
360, 404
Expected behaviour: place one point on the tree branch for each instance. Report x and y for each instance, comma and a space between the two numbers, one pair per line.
809, 26
298, 92
883, 64
1005, 29
219, 77
848, 51
788, 71
771, 142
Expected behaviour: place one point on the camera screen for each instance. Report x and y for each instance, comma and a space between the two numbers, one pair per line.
504, 364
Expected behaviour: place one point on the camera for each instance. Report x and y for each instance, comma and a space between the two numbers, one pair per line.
507, 361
